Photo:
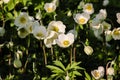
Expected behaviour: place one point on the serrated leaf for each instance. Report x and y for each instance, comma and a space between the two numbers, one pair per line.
59, 64
87, 76
55, 69
77, 73
74, 64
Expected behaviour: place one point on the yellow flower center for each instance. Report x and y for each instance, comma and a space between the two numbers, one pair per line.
96, 74
50, 9
81, 20
89, 7
116, 32
39, 34
56, 29
66, 42
22, 20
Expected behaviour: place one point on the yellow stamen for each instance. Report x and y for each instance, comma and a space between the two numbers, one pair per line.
116, 32
56, 29
66, 42
96, 74
22, 20
89, 7
81, 20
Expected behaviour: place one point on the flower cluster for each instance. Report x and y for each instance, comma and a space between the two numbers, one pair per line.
53, 34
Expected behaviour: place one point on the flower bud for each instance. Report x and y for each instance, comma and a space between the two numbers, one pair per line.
17, 63
88, 50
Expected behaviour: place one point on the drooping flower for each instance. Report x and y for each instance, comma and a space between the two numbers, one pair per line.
110, 71
106, 26
65, 40
50, 7
88, 8
39, 32
22, 20
88, 50
108, 35
102, 14
116, 34
81, 18
50, 39
56, 26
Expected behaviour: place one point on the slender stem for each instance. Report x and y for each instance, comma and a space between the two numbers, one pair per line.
107, 68
74, 54
44, 52
52, 52
71, 54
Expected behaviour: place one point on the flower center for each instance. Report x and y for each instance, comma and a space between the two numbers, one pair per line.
116, 32
96, 74
56, 29
66, 42
89, 7
22, 20
39, 34
81, 20
50, 9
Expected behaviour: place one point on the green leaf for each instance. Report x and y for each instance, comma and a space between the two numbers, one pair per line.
10, 5
87, 76
77, 73
55, 69
58, 63
74, 64
9, 15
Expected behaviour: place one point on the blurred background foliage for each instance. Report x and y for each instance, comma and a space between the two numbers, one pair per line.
32, 59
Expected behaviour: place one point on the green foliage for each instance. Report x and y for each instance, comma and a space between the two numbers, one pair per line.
59, 70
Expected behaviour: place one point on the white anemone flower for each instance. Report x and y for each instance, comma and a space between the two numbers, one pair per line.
118, 17
88, 8
50, 39
22, 20
81, 18
65, 40
106, 25
101, 70
108, 35
2, 31
23, 32
88, 50
98, 73
102, 14
50, 7
56, 26
116, 34
39, 32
